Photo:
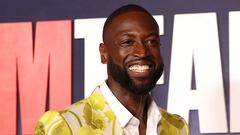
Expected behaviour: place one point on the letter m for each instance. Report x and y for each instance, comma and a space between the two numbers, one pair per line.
34, 72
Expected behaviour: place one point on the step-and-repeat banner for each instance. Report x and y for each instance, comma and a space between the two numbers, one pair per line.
49, 59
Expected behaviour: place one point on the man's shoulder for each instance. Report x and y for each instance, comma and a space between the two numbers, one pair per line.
173, 122
173, 119
78, 117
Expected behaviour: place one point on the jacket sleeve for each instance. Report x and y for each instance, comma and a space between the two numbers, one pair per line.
52, 123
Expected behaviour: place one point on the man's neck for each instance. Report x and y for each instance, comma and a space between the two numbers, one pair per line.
136, 104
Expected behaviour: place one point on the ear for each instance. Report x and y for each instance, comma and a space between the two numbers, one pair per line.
103, 53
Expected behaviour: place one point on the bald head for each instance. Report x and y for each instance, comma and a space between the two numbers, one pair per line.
123, 10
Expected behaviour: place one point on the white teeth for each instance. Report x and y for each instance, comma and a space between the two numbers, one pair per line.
139, 68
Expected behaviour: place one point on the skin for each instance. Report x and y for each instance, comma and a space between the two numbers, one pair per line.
132, 39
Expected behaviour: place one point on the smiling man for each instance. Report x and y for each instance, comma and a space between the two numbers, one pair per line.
121, 105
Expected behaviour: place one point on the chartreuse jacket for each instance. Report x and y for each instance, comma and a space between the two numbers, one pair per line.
93, 116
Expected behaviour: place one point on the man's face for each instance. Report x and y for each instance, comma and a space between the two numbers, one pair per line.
133, 50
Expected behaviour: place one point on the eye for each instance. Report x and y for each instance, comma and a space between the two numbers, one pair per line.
152, 42
126, 43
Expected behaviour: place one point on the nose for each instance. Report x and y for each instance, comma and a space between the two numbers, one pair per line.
141, 50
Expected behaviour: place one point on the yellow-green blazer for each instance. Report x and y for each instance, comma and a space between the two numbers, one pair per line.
93, 116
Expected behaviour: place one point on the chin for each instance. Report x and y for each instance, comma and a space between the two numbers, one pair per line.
142, 87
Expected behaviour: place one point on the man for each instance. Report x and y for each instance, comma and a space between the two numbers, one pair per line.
122, 104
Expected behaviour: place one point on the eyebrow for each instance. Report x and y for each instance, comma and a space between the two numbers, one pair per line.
132, 34
153, 34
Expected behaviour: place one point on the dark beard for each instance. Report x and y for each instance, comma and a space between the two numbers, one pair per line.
121, 76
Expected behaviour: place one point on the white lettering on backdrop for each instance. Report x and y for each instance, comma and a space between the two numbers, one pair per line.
195, 41
234, 70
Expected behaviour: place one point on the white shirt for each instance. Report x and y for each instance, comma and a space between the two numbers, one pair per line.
128, 122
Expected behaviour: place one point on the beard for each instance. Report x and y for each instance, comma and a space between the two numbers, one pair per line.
121, 76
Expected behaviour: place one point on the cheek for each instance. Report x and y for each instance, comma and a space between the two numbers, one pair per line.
118, 56
156, 53
123, 54
157, 56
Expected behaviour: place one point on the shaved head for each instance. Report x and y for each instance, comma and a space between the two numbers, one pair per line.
123, 10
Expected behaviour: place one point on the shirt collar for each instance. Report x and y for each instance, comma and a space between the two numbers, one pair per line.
154, 114
122, 114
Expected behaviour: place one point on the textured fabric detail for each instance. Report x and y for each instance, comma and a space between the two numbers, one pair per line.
72, 121
52, 123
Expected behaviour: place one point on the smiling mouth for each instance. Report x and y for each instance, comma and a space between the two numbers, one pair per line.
139, 68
